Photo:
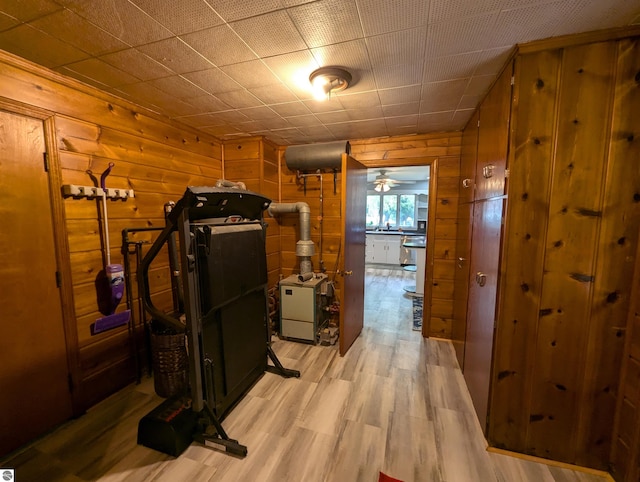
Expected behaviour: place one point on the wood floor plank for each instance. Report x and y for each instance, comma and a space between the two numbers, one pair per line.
395, 403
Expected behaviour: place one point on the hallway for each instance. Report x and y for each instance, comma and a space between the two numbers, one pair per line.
395, 403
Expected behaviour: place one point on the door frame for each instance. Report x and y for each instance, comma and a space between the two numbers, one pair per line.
61, 241
432, 163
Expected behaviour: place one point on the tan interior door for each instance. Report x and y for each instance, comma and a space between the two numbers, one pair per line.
34, 388
351, 265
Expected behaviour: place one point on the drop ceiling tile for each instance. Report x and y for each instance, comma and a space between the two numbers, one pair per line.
318, 133
270, 34
253, 73
178, 87
529, 23
7, 21
37, 46
26, 10
274, 94
434, 122
398, 75
121, 19
361, 81
290, 109
364, 113
183, 16
461, 118
469, 101
239, 99
84, 79
208, 103
293, 3
333, 117
75, 30
360, 100
316, 106
599, 15
442, 10
402, 121
401, 130
493, 60
404, 47
352, 55
176, 55
401, 109
212, 80
277, 123
258, 113
453, 67
460, 36
220, 45
293, 70
303, 120
442, 96
102, 72
388, 16
247, 128
327, 22
173, 107
135, 62
400, 95
479, 85
232, 116
232, 10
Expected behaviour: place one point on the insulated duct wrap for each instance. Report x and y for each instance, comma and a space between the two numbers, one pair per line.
310, 157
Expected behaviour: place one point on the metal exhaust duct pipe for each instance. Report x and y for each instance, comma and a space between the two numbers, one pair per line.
304, 247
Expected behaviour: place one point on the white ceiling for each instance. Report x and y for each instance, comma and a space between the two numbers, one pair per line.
240, 67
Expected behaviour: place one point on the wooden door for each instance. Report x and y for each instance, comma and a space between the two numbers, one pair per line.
493, 137
351, 265
34, 383
481, 308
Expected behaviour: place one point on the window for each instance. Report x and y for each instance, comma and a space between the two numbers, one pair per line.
396, 211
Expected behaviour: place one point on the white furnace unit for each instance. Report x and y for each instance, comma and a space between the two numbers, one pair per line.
301, 307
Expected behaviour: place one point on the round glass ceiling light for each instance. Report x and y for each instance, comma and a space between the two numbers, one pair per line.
327, 80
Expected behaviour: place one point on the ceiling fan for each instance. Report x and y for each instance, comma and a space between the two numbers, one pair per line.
383, 182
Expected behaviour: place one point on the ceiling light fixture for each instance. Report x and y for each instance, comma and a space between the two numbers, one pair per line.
382, 187
326, 80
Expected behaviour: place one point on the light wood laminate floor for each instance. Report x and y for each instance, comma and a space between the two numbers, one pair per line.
395, 403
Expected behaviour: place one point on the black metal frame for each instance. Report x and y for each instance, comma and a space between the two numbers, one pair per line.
198, 205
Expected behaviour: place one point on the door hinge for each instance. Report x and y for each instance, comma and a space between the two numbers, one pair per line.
45, 158
58, 279
478, 122
70, 382
513, 80
506, 173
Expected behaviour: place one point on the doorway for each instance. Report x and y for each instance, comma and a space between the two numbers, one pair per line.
395, 253
34, 375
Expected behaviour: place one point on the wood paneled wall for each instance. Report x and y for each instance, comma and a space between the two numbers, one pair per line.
255, 161
571, 234
155, 158
442, 152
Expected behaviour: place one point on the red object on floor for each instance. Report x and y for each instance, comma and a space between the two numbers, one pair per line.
386, 478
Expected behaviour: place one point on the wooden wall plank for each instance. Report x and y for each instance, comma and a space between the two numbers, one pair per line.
571, 243
532, 141
617, 241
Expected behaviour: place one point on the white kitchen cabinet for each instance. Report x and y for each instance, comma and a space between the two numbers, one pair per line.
383, 248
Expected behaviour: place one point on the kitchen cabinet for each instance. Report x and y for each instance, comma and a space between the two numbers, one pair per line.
383, 248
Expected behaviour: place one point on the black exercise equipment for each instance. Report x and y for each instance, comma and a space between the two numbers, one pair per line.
223, 268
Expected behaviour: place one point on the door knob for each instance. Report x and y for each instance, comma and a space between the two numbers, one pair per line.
346, 273
481, 278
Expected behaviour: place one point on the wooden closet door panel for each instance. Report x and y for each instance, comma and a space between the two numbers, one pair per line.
33, 373
481, 307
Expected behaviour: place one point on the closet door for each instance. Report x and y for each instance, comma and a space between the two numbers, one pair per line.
33, 373
481, 307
